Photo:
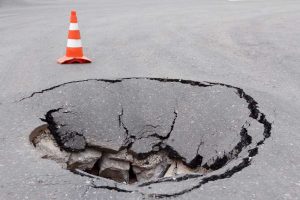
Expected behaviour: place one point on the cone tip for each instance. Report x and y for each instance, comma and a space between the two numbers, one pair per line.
73, 12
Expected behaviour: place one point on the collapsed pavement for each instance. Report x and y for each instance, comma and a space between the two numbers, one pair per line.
151, 131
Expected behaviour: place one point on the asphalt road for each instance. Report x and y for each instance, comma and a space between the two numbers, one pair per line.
253, 45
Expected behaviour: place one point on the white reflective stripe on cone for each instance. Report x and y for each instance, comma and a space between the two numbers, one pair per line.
74, 43
73, 26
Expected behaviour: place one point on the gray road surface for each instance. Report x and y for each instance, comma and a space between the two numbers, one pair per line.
251, 44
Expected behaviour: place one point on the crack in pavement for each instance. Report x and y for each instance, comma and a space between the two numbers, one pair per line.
255, 114
115, 188
131, 139
67, 83
245, 163
245, 140
62, 140
193, 83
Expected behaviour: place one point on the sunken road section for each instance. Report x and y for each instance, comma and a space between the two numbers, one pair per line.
149, 130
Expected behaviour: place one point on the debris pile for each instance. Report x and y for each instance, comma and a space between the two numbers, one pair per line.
121, 166
149, 129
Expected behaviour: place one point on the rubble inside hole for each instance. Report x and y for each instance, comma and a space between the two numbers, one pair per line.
121, 166
201, 130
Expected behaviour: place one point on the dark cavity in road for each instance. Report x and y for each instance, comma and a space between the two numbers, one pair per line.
150, 130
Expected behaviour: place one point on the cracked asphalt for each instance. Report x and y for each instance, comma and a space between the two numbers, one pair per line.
253, 45
206, 125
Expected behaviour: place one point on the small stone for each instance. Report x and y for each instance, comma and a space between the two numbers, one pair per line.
149, 162
74, 142
145, 146
122, 156
172, 170
156, 172
183, 169
142, 175
84, 160
117, 170
154, 166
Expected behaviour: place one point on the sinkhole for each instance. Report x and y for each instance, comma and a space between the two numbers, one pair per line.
138, 130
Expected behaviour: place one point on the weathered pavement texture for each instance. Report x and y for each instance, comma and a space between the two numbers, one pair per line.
253, 45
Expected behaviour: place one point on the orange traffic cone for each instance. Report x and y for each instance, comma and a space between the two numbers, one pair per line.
74, 51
